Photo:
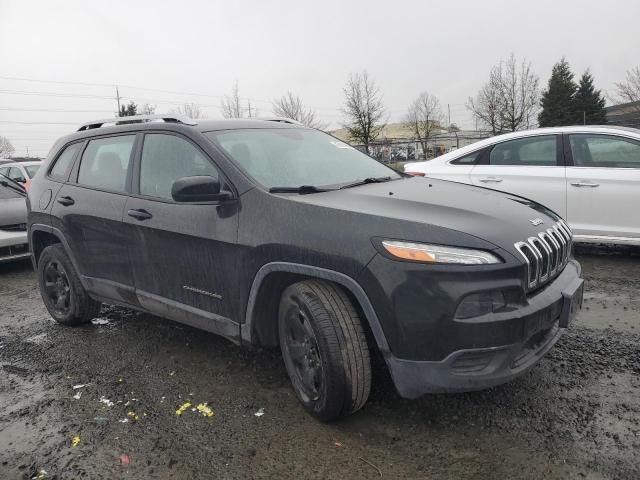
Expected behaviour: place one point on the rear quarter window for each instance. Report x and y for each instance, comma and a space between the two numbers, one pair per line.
61, 166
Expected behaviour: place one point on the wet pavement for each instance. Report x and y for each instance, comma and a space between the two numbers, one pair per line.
575, 415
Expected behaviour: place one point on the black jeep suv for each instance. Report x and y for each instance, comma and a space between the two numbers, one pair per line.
273, 234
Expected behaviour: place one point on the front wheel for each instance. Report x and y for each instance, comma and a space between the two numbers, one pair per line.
324, 348
63, 294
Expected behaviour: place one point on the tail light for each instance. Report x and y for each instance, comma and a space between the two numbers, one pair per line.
415, 174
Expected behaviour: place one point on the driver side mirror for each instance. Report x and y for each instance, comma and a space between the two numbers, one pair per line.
198, 189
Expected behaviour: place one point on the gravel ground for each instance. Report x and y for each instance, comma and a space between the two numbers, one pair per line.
575, 415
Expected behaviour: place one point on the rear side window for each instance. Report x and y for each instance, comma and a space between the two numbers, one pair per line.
61, 167
105, 162
32, 170
165, 159
534, 151
604, 151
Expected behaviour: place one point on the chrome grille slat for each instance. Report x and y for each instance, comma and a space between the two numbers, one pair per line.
546, 254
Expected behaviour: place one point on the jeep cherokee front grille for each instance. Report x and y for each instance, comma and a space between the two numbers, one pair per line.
546, 254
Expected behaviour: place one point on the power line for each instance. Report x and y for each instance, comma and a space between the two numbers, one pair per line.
56, 94
53, 110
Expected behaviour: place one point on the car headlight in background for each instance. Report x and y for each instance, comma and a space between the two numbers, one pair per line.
424, 252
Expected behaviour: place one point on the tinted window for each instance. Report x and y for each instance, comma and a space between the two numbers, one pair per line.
32, 170
61, 166
525, 152
467, 159
604, 151
105, 162
165, 159
293, 157
14, 173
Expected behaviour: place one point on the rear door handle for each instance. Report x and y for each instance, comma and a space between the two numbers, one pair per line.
139, 214
66, 201
585, 184
491, 180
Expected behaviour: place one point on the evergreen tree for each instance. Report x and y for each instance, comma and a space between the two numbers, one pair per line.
557, 100
588, 103
128, 110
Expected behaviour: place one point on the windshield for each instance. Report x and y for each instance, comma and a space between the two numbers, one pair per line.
31, 170
295, 157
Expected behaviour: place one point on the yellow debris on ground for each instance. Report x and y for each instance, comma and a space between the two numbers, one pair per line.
133, 415
204, 409
75, 441
183, 408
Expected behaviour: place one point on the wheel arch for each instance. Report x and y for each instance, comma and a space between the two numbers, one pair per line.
268, 284
41, 236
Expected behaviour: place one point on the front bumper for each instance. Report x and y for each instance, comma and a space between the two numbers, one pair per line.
544, 320
13, 246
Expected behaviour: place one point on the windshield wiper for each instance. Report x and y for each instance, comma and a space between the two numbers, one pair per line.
302, 189
366, 181
12, 184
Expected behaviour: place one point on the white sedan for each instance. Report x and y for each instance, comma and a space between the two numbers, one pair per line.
590, 176
21, 172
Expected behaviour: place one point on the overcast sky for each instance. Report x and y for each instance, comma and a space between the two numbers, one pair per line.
153, 48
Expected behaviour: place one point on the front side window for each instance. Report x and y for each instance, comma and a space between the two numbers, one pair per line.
105, 162
167, 158
61, 167
283, 157
15, 174
604, 151
534, 151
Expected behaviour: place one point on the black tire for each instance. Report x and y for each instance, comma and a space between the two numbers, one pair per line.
64, 296
324, 348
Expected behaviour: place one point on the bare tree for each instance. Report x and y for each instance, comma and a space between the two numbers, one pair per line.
190, 110
147, 109
231, 105
291, 106
510, 100
363, 108
6, 149
629, 90
424, 118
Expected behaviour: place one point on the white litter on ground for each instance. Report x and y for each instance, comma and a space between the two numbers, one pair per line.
106, 401
100, 321
259, 413
75, 387
78, 395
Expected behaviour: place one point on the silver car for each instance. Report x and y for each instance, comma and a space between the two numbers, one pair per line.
13, 219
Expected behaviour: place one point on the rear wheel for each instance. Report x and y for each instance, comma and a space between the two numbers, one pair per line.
64, 296
324, 348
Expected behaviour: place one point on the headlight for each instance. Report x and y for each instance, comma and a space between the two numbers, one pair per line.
424, 252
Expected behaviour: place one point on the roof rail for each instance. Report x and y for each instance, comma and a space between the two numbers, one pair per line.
135, 119
280, 119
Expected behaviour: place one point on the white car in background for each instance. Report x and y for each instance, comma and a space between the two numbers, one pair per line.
590, 176
21, 172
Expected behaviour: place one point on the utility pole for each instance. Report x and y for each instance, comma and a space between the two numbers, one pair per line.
118, 99
584, 118
449, 114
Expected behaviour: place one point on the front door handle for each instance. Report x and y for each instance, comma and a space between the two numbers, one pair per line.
139, 214
66, 201
585, 184
491, 180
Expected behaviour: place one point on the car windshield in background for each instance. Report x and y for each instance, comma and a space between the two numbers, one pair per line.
290, 158
32, 170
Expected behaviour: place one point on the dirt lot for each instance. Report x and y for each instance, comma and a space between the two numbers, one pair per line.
576, 415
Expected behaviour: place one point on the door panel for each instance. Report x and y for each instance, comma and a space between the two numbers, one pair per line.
531, 167
91, 221
183, 255
603, 186
89, 213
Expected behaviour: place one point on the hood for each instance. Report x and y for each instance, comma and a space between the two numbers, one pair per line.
13, 211
499, 218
